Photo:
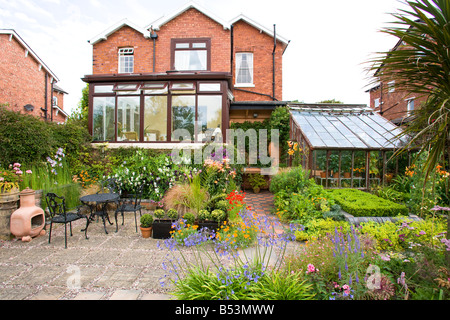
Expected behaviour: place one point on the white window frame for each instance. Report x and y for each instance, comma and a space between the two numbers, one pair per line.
239, 56
376, 103
391, 86
125, 52
408, 105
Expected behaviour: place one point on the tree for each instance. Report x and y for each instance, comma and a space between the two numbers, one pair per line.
421, 65
82, 111
331, 101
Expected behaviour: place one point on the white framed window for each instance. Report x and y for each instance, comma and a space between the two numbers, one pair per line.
391, 86
191, 54
410, 105
126, 60
55, 101
244, 69
377, 103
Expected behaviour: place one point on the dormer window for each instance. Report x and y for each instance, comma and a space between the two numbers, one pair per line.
126, 60
191, 54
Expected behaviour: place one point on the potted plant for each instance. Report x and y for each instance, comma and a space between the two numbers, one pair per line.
146, 225
256, 181
206, 220
163, 223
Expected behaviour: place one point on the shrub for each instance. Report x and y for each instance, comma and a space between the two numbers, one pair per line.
290, 180
146, 220
204, 215
319, 228
189, 217
24, 138
218, 215
172, 214
159, 213
406, 233
362, 204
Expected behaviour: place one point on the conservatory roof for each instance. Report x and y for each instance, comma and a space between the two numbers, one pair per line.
333, 126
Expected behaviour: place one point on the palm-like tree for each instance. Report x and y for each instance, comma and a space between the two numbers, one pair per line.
421, 65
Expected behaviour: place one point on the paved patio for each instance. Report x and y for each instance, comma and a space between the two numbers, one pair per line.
120, 265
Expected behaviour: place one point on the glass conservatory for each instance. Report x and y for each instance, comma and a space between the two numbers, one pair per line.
345, 145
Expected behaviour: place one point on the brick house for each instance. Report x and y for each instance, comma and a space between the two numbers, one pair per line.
27, 85
188, 70
393, 104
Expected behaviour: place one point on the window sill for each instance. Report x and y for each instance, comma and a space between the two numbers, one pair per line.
244, 85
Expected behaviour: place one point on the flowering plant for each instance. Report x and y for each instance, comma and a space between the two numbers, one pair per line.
10, 179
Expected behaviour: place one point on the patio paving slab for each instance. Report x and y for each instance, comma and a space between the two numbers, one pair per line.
119, 265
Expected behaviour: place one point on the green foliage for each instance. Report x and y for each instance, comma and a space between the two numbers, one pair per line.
218, 215
290, 180
204, 215
24, 138
405, 234
273, 285
146, 220
256, 180
159, 213
189, 217
318, 228
157, 172
362, 204
172, 214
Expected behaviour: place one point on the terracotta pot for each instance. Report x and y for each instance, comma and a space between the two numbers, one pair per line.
336, 175
146, 232
256, 190
323, 174
347, 175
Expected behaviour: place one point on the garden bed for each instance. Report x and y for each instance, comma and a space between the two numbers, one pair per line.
362, 204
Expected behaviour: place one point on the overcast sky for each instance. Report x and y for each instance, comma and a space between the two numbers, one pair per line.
330, 39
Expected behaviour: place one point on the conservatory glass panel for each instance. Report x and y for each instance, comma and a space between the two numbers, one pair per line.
103, 118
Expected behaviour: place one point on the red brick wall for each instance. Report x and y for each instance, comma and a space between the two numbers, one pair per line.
194, 24
106, 53
249, 39
21, 81
394, 103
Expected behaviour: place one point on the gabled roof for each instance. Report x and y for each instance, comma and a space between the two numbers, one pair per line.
125, 22
14, 34
258, 26
165, 19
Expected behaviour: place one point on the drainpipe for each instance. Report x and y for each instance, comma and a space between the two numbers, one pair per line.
45, 97
232, 49
381, 98
273, 60
51, 101
154, 36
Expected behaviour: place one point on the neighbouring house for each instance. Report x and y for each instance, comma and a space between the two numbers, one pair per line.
27, 85
188, 70
390, 102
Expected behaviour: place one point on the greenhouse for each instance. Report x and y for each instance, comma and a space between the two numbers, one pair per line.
345, 145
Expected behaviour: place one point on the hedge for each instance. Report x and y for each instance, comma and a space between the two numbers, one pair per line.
363, 204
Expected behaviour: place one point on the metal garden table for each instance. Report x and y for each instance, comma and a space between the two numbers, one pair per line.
102, 200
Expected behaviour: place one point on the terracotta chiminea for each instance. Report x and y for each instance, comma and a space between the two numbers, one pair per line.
29, 220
